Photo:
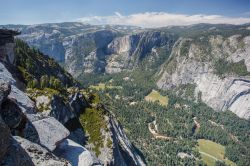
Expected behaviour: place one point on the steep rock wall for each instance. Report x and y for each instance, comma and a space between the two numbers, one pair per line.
197, 66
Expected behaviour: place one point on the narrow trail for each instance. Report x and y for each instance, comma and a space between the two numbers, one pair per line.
152, 127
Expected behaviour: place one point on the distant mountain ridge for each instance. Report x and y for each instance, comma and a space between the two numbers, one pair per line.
84, 48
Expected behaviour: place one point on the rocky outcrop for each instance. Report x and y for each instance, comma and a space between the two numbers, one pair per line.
46, 131
197, 66
7, 45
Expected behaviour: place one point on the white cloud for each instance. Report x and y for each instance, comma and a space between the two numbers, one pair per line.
160, 19
246, 13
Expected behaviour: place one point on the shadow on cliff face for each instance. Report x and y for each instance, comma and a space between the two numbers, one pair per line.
139, 153
16, 155
75, 153
77, 133
127, 158
17, 121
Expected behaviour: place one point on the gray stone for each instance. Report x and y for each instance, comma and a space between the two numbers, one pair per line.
50, 132
39, 155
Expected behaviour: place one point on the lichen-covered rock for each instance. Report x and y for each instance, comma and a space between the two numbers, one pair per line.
76, 154
4, 138
39, 155
43, 103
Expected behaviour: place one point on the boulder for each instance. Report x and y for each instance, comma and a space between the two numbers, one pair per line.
76, 154
50, 132
39, 155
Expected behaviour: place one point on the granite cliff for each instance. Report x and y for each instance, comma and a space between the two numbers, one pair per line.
218, 69
44, 115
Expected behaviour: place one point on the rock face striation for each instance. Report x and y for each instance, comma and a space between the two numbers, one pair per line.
129, 51
97, 49
219, 70
80, 47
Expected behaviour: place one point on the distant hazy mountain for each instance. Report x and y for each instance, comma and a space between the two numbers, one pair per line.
201, 54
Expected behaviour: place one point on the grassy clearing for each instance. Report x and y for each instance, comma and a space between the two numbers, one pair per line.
211, 151
155, 96
208, 160
102, 86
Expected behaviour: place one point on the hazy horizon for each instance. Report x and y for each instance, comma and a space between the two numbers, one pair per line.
144, 13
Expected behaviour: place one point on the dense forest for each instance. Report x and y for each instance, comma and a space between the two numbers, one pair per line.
183, 121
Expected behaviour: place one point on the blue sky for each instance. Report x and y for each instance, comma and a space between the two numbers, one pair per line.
128, 11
